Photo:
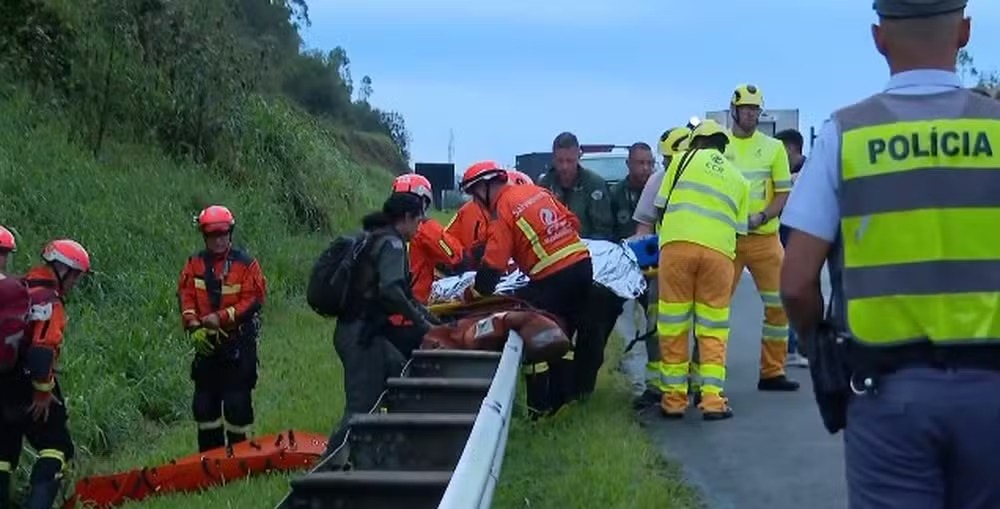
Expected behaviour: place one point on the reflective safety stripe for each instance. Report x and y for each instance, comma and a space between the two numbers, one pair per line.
199, 283
674, 377
535, 369
919, 200
710, 214
233, 428
711, 321
231, 313
757, 176
54, 454
6, 467
674, 318
781, 186
545, 259
444, 247
697, 187
208, 425
774, 333
771, 299
44, 386
713, 378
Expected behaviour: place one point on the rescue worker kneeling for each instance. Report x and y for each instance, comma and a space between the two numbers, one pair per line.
531, 227
222, 291
381, 285
31, 401
704, 199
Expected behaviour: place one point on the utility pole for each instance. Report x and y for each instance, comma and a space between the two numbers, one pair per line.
451, 146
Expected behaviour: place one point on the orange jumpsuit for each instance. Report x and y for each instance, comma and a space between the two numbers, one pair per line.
541, 236
33, 379
233, 286
430, 247
469, 228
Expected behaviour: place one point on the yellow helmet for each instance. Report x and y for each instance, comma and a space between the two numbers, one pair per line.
747, 95
707, 128
674, 141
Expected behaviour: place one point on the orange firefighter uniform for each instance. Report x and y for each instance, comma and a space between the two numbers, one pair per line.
230, 286
533, 229
31, 401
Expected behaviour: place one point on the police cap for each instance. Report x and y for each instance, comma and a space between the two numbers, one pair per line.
901, 9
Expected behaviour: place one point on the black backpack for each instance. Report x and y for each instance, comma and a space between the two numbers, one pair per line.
332, 280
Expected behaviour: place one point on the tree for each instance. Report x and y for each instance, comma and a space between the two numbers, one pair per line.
970, 73
366, 89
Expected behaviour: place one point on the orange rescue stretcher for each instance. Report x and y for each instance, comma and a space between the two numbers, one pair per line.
282, 452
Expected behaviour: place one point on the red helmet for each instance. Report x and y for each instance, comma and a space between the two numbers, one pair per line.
216, 219
68, 252
413, 183
481, 172
518, 178
7, 240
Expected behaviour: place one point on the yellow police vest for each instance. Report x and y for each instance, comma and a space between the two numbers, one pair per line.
708, 206
920, 213
764, 163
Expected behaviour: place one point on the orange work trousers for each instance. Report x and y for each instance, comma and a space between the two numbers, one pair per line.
694, 286
763, 254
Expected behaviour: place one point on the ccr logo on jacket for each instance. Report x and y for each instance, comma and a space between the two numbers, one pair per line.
534, 229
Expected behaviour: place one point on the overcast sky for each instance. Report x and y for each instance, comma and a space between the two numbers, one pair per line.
508, 76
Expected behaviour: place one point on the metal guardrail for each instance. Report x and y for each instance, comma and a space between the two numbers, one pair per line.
475, 477
436, 439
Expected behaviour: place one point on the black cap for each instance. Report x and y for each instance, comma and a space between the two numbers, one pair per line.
901, 9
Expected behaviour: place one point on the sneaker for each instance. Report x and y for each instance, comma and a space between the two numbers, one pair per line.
796, 360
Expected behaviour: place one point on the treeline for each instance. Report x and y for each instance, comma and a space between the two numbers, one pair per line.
186, 74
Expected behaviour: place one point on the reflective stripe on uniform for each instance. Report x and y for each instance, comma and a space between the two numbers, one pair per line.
546, 259
54, 454
446, 248
199, 283
6, 467
209, 425
916, 198
233, 428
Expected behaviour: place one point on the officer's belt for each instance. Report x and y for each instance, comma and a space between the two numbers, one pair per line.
886, 360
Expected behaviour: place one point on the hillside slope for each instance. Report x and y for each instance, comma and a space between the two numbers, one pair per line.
126, 363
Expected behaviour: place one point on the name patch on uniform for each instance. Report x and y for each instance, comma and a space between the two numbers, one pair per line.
934, 143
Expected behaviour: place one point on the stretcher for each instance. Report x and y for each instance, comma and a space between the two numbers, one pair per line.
282, 452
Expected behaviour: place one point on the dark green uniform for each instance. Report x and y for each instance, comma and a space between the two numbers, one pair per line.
363, 339
589, 199
624, 199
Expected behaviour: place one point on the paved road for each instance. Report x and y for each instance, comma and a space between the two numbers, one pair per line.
774, 453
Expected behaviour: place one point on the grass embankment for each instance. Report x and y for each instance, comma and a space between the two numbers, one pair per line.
125, 367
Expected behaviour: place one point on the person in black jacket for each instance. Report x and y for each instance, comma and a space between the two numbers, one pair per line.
383, 285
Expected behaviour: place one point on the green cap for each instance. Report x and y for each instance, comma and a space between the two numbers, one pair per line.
901, 9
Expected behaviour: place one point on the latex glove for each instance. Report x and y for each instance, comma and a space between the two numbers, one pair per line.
202, 342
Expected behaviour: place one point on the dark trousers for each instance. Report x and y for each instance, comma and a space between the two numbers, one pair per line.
50, 439
369, 359
793, 338
553, 384
595, 327
223, 392
925, 440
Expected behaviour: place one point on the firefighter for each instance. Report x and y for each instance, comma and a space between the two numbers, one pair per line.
764, 163
705, 200
383, 289
432, 248
8, 244
222, 292
31, 401
531, 228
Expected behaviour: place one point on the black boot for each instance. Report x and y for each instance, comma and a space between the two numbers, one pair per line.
5, 490
780, 383
209, 439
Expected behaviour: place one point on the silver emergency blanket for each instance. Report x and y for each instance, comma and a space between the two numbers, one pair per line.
615, 267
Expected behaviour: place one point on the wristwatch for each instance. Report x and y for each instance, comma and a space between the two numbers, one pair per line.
763, 214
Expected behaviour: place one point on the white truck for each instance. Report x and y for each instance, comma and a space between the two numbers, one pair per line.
771, 121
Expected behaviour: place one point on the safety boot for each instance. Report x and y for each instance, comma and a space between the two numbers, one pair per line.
646, 400
43, 494
674, 416
780, 383
720, 415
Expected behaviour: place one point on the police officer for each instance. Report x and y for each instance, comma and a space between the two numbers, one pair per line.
222, 291
584, 192
383, 287
918, 279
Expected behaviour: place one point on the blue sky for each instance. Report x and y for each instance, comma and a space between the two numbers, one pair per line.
508, 76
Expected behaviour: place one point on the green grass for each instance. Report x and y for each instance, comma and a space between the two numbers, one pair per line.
125, 366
